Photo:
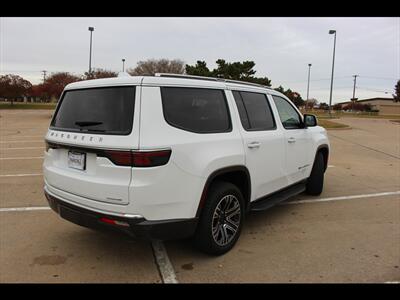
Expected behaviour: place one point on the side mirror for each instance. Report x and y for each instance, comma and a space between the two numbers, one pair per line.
310, 120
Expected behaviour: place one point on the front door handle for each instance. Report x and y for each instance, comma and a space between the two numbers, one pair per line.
254, 145
291, 140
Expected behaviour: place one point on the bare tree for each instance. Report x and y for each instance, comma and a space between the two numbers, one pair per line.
99, 73
152, 66
310, 103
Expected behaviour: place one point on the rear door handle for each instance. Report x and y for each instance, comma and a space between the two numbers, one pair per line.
291, 140
254, 145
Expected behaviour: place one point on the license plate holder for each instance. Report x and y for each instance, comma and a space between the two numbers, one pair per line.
77, 160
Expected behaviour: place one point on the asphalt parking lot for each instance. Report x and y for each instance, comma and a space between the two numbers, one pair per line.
350, 233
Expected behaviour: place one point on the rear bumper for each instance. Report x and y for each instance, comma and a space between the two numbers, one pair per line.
135, 227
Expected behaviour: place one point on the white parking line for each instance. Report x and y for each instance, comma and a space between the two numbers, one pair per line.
21, 148
21, 175
24, 141
8, 209
164, 264
159, 247
342, 198
23, 128
25, 136
11, 158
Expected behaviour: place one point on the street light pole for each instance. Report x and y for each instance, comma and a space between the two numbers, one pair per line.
123, 64
354, 87
91, 29
333, 66
308, 84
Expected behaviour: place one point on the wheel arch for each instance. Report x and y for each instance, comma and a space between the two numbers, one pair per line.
232, 174
324, 149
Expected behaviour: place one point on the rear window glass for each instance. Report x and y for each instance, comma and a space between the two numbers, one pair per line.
196, 109
98, 110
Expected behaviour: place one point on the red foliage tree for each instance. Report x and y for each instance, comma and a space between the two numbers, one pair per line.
13, 86
55, 83
39, 91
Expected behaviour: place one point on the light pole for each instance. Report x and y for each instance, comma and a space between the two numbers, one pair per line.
91, 29
123, 64
308, 84
333, 66
354, 99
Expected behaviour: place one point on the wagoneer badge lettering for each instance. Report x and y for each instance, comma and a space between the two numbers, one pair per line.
68, 136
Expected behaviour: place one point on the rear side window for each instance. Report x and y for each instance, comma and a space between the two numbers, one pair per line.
196, 109
98, 110
254, 111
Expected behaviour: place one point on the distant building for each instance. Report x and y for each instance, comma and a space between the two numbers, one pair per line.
385, 106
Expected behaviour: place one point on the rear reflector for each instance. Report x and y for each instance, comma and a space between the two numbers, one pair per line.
138, 158
114, 222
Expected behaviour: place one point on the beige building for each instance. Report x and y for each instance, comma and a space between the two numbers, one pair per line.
386, 106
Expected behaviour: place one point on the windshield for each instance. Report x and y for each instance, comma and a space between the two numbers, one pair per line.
97, 110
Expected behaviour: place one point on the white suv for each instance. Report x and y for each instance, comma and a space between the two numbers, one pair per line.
175, 156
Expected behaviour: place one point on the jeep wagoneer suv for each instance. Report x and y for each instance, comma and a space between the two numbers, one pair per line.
175, 156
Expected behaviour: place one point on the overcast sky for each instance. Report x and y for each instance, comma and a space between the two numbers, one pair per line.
280, 47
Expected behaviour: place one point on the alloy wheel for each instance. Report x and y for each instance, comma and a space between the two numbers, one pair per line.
226, 220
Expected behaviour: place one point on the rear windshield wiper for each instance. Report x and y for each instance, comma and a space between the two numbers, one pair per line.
93, 130
87, 123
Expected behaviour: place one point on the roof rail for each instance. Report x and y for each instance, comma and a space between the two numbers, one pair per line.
246, 83
184, 76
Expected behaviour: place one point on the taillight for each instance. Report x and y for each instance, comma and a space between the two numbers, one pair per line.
139, 158
121, 158
151, 158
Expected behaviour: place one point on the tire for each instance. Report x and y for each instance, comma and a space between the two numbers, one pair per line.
315, 182
221, 194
